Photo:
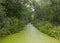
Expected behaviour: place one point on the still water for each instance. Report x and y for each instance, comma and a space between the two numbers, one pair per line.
29, 35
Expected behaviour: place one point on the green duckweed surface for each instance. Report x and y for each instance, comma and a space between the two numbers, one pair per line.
29, 35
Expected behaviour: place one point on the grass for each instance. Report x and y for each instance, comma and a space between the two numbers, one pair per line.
49, 29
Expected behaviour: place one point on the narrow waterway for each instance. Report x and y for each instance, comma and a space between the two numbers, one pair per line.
29, 35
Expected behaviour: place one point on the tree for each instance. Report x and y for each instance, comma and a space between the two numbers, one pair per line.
17, 16
2, 15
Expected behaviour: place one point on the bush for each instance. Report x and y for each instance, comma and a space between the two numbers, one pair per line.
12, 25
55, 32
48, 28
17, 16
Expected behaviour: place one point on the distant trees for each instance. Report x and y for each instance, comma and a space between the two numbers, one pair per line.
47, 18
49, 12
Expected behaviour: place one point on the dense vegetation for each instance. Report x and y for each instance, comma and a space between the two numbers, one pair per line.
47, 18
15, 14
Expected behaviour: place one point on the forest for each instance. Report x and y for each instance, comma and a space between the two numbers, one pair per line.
43, 14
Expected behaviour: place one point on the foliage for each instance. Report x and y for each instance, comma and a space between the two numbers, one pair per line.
2, 16
17, 16
48, 28
11, 25
47, 19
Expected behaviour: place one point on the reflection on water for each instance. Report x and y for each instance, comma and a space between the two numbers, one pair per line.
29, 35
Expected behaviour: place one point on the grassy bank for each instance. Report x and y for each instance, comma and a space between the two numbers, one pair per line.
49, 29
